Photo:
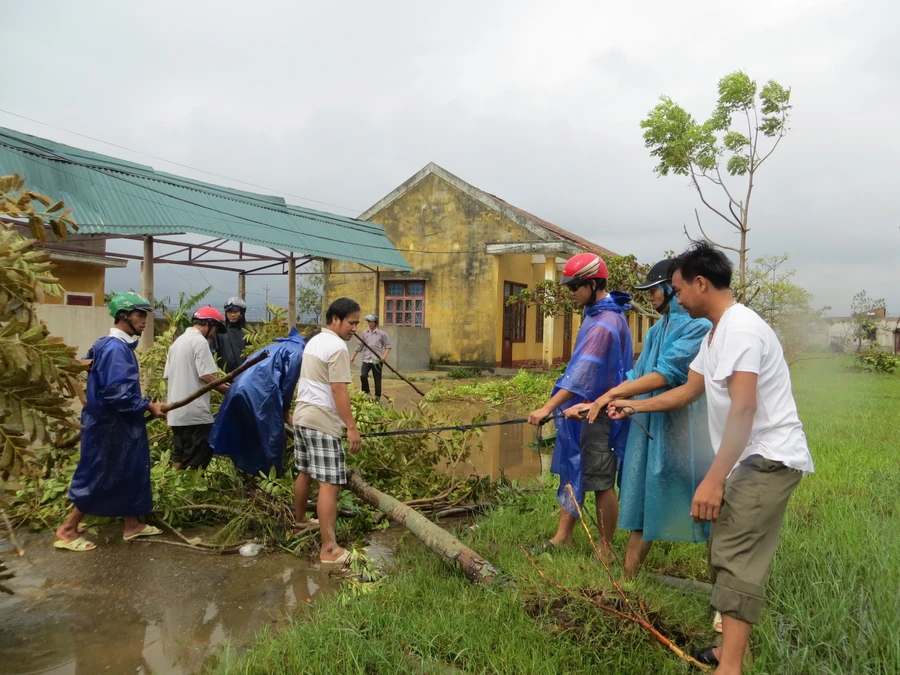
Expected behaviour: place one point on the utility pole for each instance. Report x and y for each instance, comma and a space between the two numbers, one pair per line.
266, 289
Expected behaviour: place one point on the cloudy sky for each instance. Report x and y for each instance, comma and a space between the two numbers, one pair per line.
536, 102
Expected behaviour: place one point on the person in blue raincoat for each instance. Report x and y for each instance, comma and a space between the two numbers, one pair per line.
249, 426
660, 476
587, 456
113, 474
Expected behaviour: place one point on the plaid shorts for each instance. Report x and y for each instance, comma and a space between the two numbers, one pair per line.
320, 455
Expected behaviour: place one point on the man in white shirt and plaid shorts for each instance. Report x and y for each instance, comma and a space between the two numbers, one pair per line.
322, 413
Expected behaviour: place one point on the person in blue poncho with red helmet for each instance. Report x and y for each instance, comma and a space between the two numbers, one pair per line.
249, 426
113, 474
660, 475
587, 456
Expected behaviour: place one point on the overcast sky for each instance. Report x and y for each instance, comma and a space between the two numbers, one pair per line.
536, 102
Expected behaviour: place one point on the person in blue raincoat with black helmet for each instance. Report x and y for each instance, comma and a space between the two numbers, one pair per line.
587, 456
113, 474
249, 426
660, 475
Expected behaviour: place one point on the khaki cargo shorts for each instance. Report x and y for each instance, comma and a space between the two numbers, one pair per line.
742, 542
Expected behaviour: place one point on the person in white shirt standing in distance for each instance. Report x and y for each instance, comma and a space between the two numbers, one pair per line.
189, 366
761, 450
378, 340
322, 412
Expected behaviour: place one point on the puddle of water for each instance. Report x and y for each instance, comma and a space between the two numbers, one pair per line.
145, 608
504, 448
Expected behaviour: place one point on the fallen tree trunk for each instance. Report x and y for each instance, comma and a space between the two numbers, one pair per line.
448, 547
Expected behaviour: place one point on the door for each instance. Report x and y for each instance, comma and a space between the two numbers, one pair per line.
513, 323
897, 342
567, 337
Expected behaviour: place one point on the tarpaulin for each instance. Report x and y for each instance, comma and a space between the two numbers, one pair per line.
113, 474
659, 476
249, 426
603, 355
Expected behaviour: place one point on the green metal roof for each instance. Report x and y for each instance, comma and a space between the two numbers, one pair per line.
113, 196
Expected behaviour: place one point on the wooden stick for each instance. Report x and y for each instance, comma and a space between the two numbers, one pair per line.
390, 367
216, 383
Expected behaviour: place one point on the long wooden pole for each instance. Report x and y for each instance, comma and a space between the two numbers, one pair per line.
448, 547
390, 367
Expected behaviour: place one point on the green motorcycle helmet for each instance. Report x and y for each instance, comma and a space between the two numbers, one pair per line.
129, 302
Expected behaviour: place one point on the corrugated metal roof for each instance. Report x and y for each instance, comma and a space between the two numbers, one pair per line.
113, 196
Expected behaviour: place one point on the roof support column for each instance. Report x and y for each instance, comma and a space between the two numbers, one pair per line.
147, 289
549, 321
242, 286
292, 292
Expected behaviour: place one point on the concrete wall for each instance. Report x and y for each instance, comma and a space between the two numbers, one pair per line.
78, 326
410, 347
842, 330
78, 278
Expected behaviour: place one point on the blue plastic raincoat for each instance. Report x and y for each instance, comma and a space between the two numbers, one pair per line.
659, 477
249, 426
113, 474
603, 354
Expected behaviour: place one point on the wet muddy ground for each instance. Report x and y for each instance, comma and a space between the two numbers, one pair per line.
144, 608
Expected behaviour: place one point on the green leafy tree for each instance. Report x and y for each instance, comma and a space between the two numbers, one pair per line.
309, 294
862, 309
745, 128
551, 299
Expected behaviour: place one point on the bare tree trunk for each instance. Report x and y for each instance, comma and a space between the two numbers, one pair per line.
450, 549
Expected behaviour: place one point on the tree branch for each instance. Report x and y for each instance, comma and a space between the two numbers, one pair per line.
705, 236
737, 225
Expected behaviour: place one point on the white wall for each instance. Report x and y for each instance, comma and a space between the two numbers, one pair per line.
79, 327
842, 330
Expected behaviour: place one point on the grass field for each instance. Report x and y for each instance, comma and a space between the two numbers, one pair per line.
833, 601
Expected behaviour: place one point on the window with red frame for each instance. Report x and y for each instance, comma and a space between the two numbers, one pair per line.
404, 303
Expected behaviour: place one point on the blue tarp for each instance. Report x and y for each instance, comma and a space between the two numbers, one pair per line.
113, 474
249, 426
603, 354
659, 477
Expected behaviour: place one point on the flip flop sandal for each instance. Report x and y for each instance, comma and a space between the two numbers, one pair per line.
78, 545
148, 531
706, 657
343, 559
717, 622
543, 547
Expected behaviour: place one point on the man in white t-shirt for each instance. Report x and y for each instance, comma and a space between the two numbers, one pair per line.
761, 450
322, 412
190, 365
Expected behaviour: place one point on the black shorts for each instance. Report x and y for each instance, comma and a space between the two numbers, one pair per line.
191, 446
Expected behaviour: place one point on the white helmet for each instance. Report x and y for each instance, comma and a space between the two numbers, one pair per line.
235, 303
371, 317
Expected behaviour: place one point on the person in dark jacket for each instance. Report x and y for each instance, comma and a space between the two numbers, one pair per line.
113, 474
228, 348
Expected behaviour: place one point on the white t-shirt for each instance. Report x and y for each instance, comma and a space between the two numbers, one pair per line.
189, 359
743, 342
326, 359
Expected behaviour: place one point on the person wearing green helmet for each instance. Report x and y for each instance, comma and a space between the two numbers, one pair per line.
113, 474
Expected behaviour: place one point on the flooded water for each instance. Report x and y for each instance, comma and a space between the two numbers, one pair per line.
146, 608
506, 450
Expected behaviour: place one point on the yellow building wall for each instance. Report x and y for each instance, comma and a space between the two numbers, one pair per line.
78, 278
463, 285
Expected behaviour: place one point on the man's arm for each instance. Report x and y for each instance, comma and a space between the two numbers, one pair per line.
674, 399
387, 351
222, 388
560, 397
642, 385
341, 393
738, 426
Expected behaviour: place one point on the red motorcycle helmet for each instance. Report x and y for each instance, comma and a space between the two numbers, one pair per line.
582, 267
210, 315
